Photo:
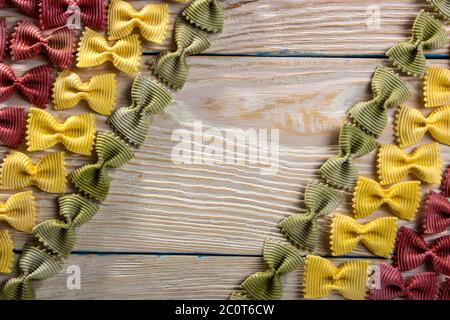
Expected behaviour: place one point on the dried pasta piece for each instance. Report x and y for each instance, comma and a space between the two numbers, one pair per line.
18, 172
321, 277
28, 41
205, 14
12, 126
421, 286
411, 126
100, 92
427, 33
171, 67
93, 179
3, 39
77, 133
56, 13
303, 230
6, 252
436, 87
340, 171
280, 259
34, 85
151, 21
94, 50
133, 122
59, 235
389, 91
27, 7
19, 211
436, 213
394, 164
411, 251
35, 264
377, 236
403, 199
444, 290
442, 7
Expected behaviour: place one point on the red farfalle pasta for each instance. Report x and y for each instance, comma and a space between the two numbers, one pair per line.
3, 39
436, 214
27, 7
12, 126
421, 286
411, 251
444, 290
445, 185
56, 13
28, 41
34, 85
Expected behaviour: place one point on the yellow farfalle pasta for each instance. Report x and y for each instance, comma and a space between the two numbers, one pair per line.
99, 92
377, 235
394, 164
6, 252
77, 134
151, 21
321, 277
411, 125
402, 198
436, 87
19, 211
18, 172
94, 50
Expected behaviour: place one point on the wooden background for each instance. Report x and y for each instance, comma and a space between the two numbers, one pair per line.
172, 231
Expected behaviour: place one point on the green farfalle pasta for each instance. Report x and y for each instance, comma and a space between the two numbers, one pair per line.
205, 14
93, 179
302, 230
389, 90
340, 171
442, 7
133, 122
59, 235
35, 264
266, 285
171, 67
427, 33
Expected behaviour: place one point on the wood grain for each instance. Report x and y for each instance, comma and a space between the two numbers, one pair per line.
298, 27
156, 205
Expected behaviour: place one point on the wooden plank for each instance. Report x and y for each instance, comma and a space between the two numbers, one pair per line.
293, 27
166, 277
156, 205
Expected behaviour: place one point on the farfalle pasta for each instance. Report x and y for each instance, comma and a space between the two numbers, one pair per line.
321, 277
303, 230
77, 133
427, 33
403, 198
151, 21
93, 179
27, 7
12, 126
340, 171
411, 125
100, 92
394, 164
59, 235
94, 50
420, 286
3, 39
377, 236
436, 87
436, 213
442, 7
56, 13
205, 14
34, 85
171, 67
35, 264
6, 252
19, 211
444, 290
411, 251
389, 91
267, 285
133, 122
28, 41
18, 172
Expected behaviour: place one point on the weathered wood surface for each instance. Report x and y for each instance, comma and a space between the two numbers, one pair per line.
156, 206
293, 27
